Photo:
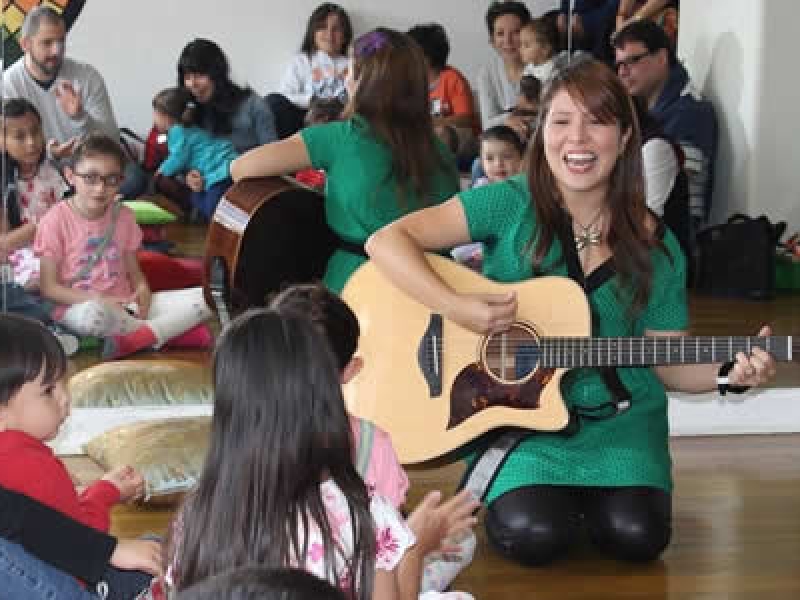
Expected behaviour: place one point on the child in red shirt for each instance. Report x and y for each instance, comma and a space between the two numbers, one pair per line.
34, 402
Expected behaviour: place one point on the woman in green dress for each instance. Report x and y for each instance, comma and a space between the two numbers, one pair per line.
381, 162
578, 210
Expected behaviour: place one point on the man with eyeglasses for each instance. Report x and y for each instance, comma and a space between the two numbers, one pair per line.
647, 64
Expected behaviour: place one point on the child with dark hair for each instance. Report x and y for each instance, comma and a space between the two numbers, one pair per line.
192, 148
317, 71
31, 186
539, 44
34, 403
87, 247
501, 156
281, 445
374, 455
257, 583
452, 100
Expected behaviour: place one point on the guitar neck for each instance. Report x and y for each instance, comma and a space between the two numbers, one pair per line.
564, 352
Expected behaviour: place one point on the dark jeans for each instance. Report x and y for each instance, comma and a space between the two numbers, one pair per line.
25, 576
22, 575
538, 524
288, 117
16, 299
205, 202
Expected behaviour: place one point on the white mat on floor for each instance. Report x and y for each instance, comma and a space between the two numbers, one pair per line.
773, 410
85, 423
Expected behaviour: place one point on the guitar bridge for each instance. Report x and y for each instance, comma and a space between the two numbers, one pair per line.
429, 356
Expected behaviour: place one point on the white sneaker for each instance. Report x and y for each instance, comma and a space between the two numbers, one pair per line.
68, 342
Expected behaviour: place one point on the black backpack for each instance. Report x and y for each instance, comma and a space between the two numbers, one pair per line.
737, 258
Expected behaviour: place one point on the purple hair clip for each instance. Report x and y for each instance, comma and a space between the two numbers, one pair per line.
369, 43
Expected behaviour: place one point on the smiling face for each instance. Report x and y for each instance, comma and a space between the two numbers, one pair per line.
201, 86
37, 408
505, 37
330, 37
23, 139
580, 150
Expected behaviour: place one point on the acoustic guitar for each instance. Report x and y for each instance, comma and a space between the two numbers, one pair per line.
266, 233
434, 386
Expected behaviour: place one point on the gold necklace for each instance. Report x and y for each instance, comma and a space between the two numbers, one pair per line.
590, 234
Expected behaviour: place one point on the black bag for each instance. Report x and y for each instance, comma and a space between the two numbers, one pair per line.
737, 258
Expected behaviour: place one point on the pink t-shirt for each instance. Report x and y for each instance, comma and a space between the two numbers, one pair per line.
70, 240
377, 463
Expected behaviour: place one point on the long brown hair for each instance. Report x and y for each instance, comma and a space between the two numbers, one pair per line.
595, 87
392, 95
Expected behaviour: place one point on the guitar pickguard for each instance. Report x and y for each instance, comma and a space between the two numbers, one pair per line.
474, 390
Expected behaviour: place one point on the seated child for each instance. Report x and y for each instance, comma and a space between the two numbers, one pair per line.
87, 247
538, 48
281, 443
455, 119
34, 185
192, 148
501, 157
375, 458
34, 403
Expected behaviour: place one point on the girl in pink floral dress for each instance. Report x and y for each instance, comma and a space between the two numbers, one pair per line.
279, 487
35, 186
375, 458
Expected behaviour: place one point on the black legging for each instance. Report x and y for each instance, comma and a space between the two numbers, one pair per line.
538, 524
288, 117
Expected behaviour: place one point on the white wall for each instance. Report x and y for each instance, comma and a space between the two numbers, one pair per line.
136, 44
742, 54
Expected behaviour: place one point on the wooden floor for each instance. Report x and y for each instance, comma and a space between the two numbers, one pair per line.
736, 530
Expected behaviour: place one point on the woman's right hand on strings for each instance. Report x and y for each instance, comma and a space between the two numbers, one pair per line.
434, 521
139, 555
485, 313
194, 179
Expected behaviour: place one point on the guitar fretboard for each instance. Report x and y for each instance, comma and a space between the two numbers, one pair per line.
644, 351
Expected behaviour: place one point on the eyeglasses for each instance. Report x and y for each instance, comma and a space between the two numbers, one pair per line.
95, 178
630, 61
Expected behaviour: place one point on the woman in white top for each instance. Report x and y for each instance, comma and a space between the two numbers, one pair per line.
498, 86
317, 71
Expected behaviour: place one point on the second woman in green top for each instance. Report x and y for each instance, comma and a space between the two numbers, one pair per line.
382, 162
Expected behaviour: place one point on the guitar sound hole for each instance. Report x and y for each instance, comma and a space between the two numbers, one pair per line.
512, 356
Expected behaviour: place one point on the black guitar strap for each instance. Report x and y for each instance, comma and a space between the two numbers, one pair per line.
620, 396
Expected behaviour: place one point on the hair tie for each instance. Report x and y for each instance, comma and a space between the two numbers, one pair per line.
369, 43
191, 104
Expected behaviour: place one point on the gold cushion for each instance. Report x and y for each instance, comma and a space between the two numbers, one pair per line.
141, 383
169, 453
